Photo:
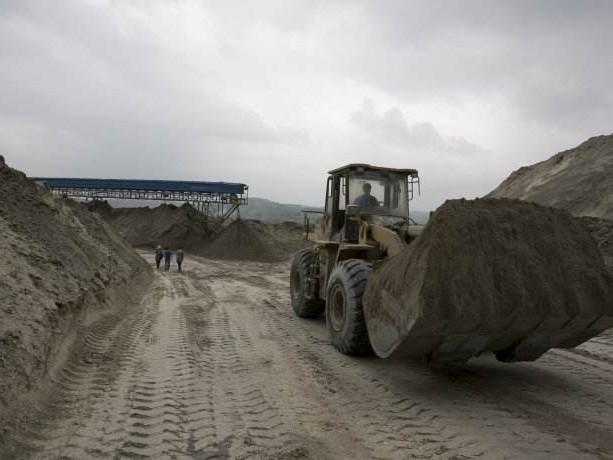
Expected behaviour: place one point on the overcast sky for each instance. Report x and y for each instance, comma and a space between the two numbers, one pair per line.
276, 93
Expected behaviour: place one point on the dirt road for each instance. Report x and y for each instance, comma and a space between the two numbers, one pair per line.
213, 364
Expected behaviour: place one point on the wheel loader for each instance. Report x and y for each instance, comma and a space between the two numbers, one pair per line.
366, 225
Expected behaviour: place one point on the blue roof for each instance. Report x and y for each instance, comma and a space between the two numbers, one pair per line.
148, 185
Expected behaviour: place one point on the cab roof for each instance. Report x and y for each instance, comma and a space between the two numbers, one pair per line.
361, 167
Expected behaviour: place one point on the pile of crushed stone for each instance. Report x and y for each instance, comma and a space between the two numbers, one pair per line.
252, 240
164, 225
579, 180
483, 275
58, 263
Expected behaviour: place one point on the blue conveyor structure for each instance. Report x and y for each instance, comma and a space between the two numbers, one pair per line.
219, 199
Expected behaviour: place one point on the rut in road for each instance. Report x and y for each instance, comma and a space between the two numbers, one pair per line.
132, 399
213, 364
486, 408
153, 386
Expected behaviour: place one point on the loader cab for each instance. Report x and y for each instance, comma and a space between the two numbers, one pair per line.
362, 192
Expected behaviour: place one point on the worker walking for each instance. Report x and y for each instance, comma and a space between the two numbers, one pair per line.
179, 258
158, 256
167, 257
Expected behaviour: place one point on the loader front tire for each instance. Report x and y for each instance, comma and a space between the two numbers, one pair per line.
344, 313
303, 302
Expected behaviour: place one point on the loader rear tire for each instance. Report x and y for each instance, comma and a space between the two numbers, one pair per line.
344, 313
304, 305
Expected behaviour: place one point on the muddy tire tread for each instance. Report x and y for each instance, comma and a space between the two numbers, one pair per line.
353, 340
304, 307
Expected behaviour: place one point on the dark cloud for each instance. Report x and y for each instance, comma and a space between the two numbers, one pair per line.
392, 127
117, 95
266, 91
548, 59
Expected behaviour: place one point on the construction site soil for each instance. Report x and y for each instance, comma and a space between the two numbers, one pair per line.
165, 225
491, 271
102, 356
60, 266
256, 241
579, 180
184, 226
602, 232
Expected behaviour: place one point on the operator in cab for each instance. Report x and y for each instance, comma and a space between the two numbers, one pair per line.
366, 200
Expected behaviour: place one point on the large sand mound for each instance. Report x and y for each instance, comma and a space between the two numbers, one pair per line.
255, 241
483, 275
166, 225
602, 232
185, 227
579, 180
58, 260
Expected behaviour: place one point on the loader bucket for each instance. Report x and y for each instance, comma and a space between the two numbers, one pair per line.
498, 275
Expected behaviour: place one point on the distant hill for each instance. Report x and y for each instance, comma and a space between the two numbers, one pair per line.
272, 212
262, 209
579, 180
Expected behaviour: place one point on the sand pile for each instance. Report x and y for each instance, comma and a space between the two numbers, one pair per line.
485, 274
58, 261
602, 232
166, 225
185, 227
287, 237
579, 180
255, 241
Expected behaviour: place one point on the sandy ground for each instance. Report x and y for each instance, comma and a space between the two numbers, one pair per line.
213, 364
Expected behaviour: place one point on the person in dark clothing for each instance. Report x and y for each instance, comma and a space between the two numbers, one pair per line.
158, 256
366, 200
167, 257
179, 258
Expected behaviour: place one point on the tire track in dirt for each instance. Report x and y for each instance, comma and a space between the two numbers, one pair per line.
213, 365
522, 417
252, 414
389, 424
83, 385
135, 405
156, 408
592, 368
599, 348
245, 420
177, 385
267, 420
554, 414
541, 407
538, 413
